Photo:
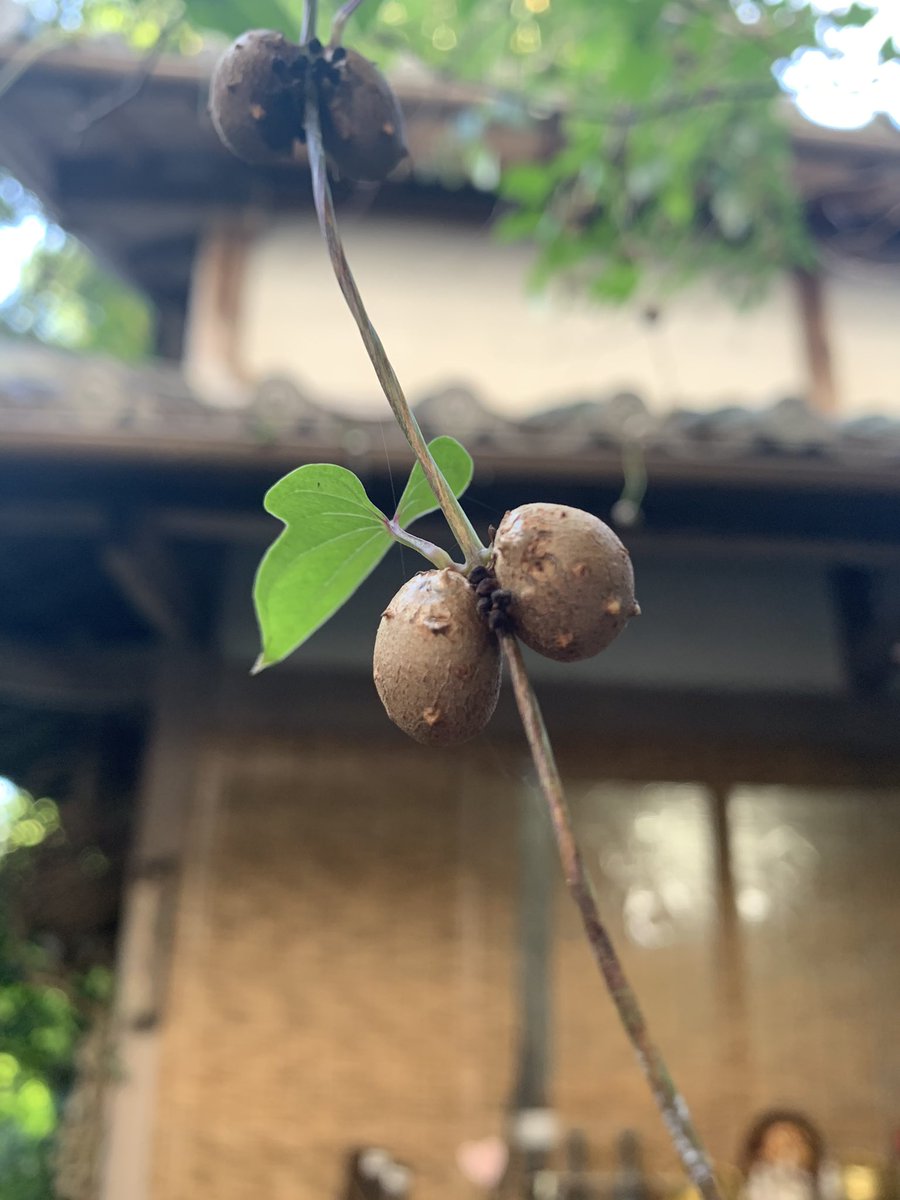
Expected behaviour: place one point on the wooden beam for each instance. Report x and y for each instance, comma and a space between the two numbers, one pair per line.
248, 528
43, 519
144, 574
754, 728
89, 679
212, 526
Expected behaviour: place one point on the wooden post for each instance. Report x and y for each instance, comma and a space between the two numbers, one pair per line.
212, 359
734, 1081
148, 923
538, 878
822, 389
532, 1130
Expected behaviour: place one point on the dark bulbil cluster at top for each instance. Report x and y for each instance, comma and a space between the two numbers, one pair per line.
258, 103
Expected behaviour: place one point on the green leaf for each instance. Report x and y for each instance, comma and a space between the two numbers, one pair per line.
513, 227
616, 282
456, 466
334, 538
527, 183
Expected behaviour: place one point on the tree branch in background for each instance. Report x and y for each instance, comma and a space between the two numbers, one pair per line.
29, 53
105, 106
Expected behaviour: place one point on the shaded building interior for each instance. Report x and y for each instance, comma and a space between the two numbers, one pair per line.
327, 938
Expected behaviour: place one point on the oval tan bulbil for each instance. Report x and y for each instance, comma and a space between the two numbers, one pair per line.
436, 664
256, 96
570, 577
362, 125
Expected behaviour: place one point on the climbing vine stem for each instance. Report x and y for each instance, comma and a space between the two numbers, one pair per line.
468, 539
671, 1104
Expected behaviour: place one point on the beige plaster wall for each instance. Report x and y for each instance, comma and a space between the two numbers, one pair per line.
452, 306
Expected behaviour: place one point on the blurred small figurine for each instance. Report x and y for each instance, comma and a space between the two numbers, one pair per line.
783, 1158
373, 1174
631, 1179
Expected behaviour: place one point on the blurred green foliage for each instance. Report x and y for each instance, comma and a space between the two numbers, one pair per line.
675, 159
40, 1021
65, 299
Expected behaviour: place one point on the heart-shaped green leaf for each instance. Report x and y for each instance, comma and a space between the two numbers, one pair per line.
334, 538
418, 499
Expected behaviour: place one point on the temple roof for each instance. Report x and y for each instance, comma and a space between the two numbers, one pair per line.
53, 403
129, 161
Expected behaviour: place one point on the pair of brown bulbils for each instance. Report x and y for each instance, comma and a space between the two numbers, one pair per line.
258, 97
568, 591
558, 577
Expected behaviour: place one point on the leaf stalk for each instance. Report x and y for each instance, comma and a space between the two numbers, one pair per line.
436, 555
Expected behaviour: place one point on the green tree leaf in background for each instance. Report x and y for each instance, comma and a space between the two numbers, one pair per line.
334, 538
672, 116
40, 1022
65, 298
235, 16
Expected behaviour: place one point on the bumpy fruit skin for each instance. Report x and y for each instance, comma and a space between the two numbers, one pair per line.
362, 125
256, 96
437, 666
571, 580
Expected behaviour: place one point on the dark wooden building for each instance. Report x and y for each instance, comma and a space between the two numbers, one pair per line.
330, 938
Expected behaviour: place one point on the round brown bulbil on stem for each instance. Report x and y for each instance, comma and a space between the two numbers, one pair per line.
256, 96
570, 579
362, 125
436, 664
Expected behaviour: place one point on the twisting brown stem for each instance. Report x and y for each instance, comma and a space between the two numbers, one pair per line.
670, 1101
468, 539
671, 1104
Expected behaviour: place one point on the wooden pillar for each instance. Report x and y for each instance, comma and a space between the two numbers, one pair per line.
212, 361
148, 923
821, 387
734, 1041
538, 878
533, 1127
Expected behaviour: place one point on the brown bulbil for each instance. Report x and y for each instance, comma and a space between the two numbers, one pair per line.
256, 96
571, 580
362, 125
437, 666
